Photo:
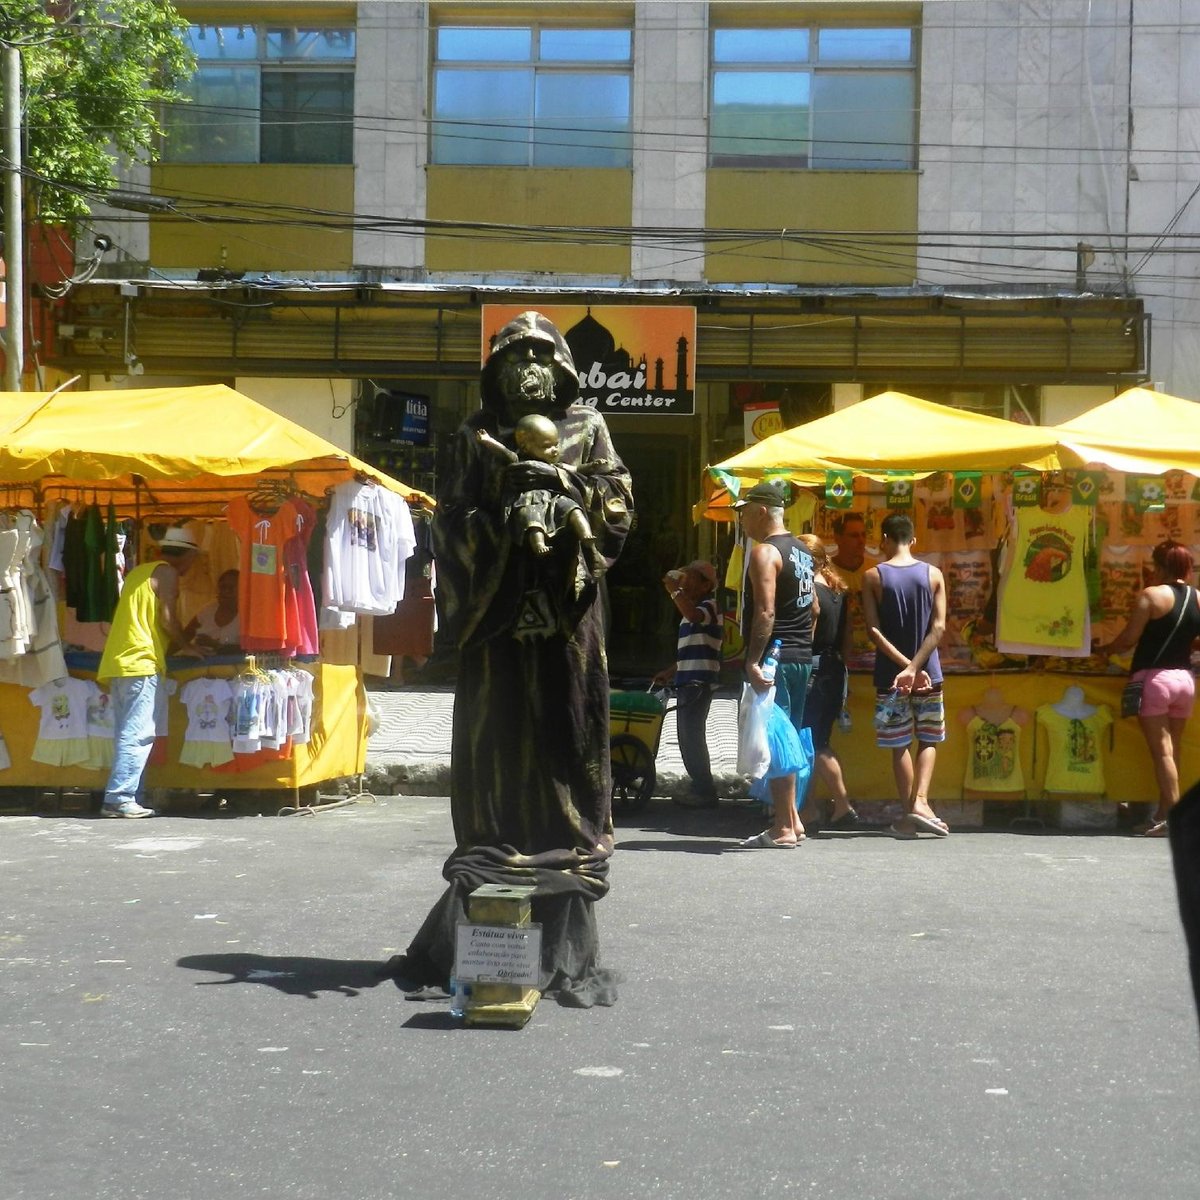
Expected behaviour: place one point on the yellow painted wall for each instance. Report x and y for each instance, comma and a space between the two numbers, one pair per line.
1063, 403
324, 406
525, 197
818, 200
181, 243
1127, 770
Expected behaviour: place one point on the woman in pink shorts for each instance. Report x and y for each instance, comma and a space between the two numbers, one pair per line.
1164, 624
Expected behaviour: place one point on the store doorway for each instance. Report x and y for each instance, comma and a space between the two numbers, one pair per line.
643, 622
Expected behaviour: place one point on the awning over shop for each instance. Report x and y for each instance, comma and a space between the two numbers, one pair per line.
183, 450
1140, 431
888, 433
398, 330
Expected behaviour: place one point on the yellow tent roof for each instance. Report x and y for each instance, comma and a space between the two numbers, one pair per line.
894, 432
185, 450
1139, 431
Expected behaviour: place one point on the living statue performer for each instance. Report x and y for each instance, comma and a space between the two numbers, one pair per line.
530, 782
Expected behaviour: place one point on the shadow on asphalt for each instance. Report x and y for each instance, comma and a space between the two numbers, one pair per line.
433, 1020
307, 977
676, 846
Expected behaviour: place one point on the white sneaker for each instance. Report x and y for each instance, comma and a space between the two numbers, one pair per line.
130, 808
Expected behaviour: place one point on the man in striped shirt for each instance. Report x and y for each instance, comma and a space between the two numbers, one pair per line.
696, 670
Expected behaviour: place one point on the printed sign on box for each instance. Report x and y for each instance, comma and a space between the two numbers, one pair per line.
498, 954
632, 359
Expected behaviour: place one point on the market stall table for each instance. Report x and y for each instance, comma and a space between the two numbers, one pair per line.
167, 455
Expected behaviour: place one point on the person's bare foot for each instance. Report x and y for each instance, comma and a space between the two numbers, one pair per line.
923, 809
919, 822
768, 841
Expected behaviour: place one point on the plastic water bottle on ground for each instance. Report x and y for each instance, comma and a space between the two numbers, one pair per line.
458, 997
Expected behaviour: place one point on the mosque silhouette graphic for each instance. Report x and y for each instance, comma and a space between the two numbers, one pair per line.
614, 381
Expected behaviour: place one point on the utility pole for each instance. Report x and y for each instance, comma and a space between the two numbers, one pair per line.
14, 232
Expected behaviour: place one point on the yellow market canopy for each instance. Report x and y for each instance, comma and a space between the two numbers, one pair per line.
893, 432
1140, 431
186, 450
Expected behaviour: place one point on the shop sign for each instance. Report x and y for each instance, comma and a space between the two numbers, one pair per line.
762, 420
632, 359
414, 420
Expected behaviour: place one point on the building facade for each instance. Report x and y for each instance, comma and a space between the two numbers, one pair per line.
982, 203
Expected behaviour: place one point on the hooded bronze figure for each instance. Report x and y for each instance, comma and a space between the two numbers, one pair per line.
530, 776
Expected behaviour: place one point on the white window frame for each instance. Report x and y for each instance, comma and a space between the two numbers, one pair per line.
206, 38
814, 67
533, 67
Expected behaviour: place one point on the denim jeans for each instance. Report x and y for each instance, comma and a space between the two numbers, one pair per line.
133, 725
692, 703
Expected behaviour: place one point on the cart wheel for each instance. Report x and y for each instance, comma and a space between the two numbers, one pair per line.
633, 773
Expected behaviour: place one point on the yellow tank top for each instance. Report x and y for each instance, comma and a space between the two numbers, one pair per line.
1043, 592
136, 644
1075, 758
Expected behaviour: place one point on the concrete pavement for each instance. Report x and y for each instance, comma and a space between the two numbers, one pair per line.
411, 745
192, 1008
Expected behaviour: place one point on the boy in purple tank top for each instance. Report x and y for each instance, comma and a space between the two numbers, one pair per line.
904, 603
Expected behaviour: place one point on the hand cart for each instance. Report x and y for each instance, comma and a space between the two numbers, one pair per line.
635, 729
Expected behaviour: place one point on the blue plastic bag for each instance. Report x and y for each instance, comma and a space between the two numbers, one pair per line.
791, 754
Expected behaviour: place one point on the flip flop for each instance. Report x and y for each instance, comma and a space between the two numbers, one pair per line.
929, 825
1157, 830
904, 835
764, 841
848, 820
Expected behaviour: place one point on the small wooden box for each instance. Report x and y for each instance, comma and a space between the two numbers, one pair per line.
500, 1005
499, 904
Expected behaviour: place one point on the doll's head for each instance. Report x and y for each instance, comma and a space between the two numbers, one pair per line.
537, 437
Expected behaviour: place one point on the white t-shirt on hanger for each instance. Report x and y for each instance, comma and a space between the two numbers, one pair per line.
369, 537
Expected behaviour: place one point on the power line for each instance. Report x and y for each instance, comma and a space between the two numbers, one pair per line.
553, 134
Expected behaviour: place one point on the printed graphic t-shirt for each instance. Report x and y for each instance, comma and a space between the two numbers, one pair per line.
262, 590
1043, 590
1074, 761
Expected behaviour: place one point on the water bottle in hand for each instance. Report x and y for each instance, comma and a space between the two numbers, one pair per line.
771, 661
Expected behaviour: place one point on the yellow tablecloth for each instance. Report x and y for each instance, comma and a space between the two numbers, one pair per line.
338, 746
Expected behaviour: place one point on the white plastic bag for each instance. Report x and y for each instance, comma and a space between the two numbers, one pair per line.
754, 750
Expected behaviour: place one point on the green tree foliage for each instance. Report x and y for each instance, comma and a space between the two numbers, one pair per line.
93, 75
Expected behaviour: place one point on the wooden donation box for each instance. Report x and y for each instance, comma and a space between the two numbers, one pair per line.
498, 952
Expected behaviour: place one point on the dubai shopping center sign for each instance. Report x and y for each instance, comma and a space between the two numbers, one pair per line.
631, 358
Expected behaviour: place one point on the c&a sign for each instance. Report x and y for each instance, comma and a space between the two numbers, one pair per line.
630, 358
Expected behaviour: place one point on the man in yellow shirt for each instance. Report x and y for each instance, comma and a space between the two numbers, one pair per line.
134, 664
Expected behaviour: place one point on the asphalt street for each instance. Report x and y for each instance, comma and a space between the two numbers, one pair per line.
192, 1008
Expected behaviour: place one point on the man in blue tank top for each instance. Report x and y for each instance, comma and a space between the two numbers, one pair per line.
779, 601
904, 603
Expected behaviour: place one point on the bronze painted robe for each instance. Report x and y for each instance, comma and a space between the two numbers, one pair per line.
529, 760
